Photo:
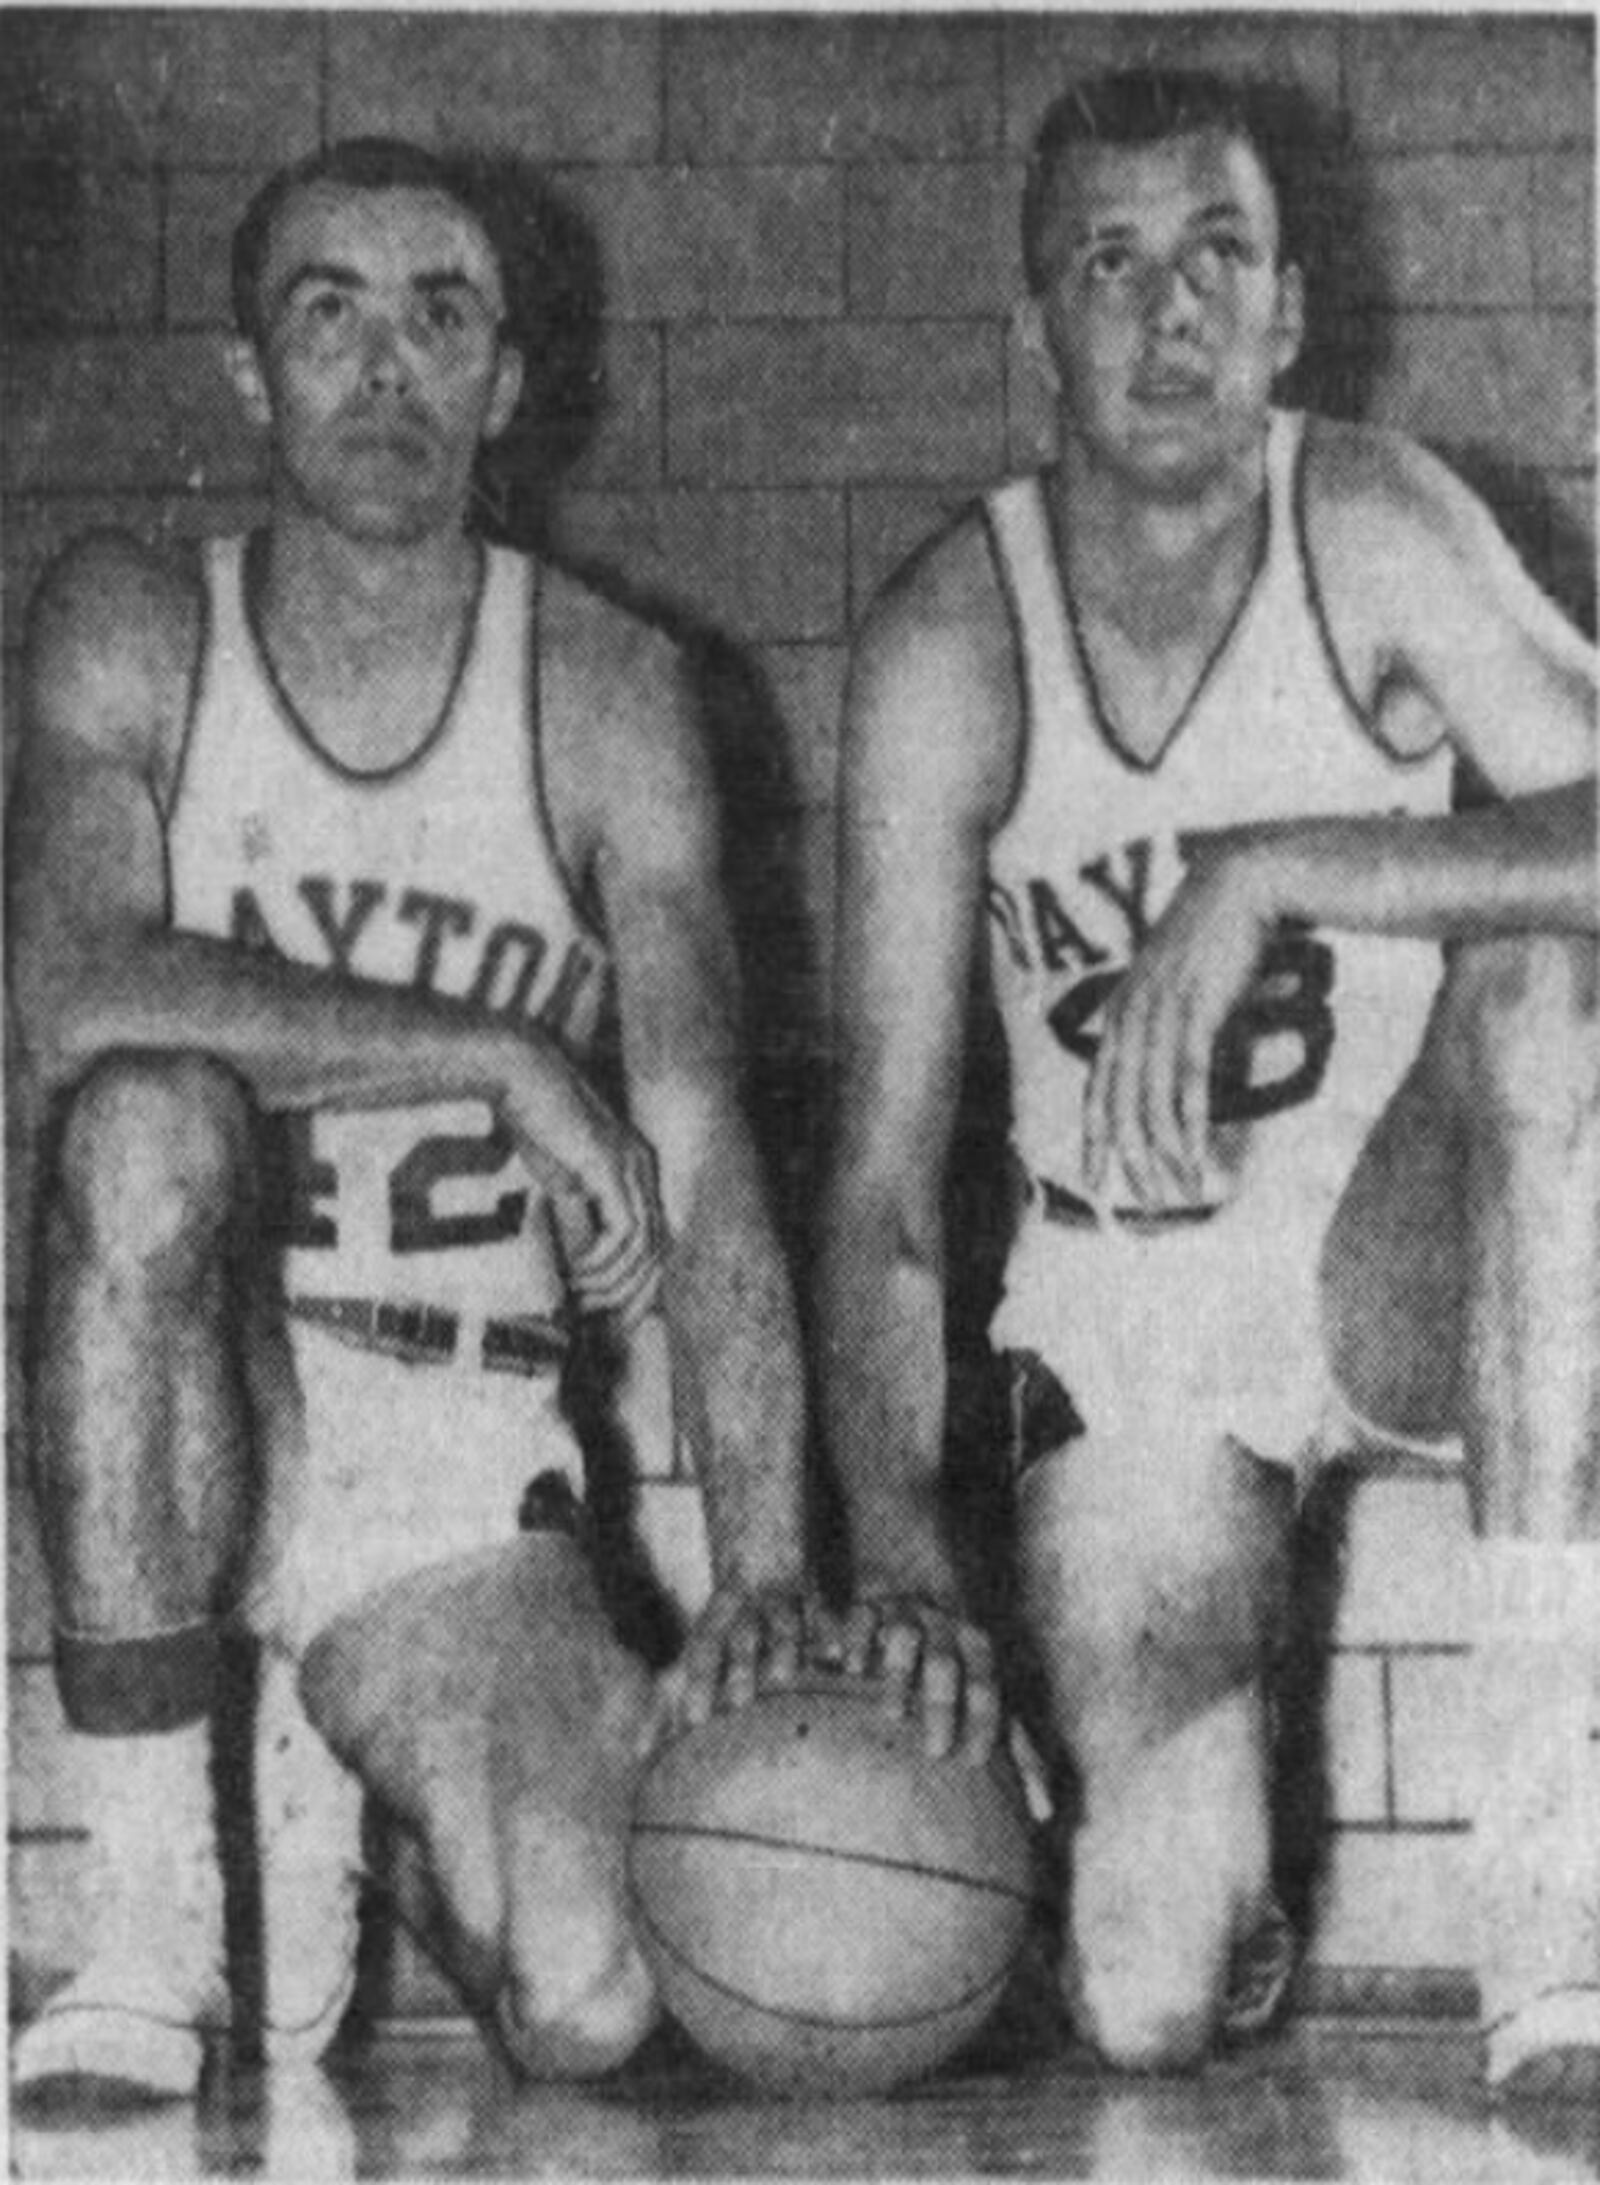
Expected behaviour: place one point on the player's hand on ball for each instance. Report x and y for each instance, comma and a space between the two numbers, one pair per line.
747, 1640
1147, 1108
932, 1663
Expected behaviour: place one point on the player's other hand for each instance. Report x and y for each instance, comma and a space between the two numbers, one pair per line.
601, 1179
747, 1640
931, 1663
1147, 1110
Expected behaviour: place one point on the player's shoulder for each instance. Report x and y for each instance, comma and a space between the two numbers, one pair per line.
945, 593
611, 649
621, 739
934, 670
1373, 491
114, 630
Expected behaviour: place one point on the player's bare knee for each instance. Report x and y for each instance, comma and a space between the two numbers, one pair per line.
1154, 2020
1179, 1601
584, 2008
151, 1161
1523, 1040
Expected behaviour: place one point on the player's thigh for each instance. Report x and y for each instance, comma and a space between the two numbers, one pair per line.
1394, 1265
488, 1703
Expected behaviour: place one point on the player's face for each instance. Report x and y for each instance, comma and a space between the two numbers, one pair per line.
1169, 316
381, 368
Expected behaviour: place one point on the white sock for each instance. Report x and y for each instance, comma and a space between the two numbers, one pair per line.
1536, 1847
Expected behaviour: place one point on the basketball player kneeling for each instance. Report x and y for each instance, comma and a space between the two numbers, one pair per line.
1176, 721
335, 849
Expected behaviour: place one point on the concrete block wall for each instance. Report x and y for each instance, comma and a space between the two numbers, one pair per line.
806, 226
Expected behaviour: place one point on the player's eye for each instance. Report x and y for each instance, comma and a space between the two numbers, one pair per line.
325, 307
1214, 255
1106, 262
443, 315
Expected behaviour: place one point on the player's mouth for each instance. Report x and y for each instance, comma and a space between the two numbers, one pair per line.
399, 437
1170, 381
390, 443
1167, 385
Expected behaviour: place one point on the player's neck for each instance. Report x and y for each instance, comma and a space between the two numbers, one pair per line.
1125, 537
338, 595
366, 642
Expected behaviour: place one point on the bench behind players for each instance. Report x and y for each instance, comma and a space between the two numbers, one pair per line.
361, 827
1173, 725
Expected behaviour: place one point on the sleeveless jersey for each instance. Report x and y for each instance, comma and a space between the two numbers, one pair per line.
438, 875
1095, 844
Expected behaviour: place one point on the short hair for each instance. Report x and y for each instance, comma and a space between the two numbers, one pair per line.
1135, 106
357, 163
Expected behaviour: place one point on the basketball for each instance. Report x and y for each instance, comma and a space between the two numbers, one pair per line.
825, 1908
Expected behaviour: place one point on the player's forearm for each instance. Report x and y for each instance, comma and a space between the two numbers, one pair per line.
299, 1036
1525, 866
882, 1380
737, 1366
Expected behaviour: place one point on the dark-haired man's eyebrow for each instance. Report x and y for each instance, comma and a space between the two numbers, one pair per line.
455, 280
1223, 212
1084, 232
314, 271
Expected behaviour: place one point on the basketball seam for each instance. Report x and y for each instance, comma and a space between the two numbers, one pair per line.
848, 1856
961, 2002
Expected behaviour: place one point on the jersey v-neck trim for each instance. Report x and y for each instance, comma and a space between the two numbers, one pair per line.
368, 777
1095, 706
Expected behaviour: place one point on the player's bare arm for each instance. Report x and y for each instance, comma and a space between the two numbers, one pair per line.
634, 811
930, 740
1438, 633
112, 657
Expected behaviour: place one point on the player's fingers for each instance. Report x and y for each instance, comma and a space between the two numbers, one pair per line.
939, 1697
981, 1712
1158, 1101
1190, 1100
624, 1295
699, 1672
665, 1715
899, 1650
1193, 1095
1125, 1097
859, 1634
741, 1660
1032, 1770
824, 1635
784, 1641
604, 1238
619, 1217
1097, 1105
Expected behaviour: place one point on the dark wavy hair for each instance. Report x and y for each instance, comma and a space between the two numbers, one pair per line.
1137, 106
360, 163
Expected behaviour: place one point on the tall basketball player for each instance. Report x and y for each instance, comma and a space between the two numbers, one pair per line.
1170, 727
335, 846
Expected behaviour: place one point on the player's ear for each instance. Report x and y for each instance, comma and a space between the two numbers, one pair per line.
1033, 340
243, 364
1289, 321
507, 391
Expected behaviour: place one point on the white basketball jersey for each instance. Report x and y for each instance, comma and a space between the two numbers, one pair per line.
1094, 848
438, 875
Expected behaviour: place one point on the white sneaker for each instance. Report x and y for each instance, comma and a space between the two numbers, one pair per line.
308, 1836
1535, 1848
156, 1981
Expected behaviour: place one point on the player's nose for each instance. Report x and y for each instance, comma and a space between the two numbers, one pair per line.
384, 359
1173, 300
